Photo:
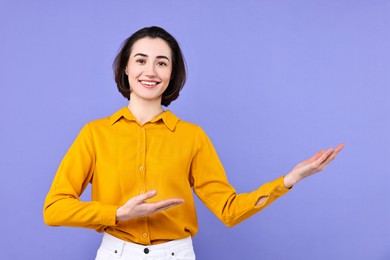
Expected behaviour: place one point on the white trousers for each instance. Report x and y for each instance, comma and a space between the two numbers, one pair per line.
115, 248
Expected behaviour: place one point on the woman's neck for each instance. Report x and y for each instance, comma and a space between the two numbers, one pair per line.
144, 110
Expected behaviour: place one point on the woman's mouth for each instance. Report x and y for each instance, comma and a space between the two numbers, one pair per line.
148, 84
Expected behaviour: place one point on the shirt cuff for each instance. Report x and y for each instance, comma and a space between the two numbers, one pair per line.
272, 190
108, 215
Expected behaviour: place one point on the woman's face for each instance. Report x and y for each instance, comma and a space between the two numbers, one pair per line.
149, 69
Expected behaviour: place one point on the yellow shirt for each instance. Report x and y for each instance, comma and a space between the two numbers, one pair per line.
122, 159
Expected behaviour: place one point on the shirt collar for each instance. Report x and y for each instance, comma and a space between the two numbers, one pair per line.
170, 120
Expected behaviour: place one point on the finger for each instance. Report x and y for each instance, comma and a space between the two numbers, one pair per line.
324, 156
141, 198
339, 148
334, 154
165, 204
316, 156
165, 207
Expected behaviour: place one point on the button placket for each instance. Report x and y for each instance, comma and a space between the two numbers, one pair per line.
144, 228
141, 160
142, 150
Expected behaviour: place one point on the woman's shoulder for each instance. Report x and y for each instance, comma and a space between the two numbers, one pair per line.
190, 128
180, 123
107, 120
99, 122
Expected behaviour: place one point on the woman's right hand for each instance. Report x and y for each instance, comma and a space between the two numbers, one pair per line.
311, 166
137, 207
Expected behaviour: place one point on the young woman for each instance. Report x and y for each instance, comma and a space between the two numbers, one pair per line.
144, 163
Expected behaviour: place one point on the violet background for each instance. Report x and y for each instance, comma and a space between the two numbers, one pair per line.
271, 82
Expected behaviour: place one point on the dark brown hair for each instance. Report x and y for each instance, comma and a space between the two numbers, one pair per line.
178, 77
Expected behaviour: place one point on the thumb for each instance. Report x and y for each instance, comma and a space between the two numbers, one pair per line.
150, 194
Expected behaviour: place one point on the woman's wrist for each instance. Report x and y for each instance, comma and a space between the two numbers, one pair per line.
290, 180
118, 214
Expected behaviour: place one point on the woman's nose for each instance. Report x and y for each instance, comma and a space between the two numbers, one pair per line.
151, 70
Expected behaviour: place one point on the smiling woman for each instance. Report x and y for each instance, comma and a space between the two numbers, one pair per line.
149, 70
171, 57
144, 164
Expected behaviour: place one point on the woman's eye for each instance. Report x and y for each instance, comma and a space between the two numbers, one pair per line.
161, 63
140, 61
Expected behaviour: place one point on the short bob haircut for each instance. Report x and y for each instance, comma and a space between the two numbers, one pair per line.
178, 77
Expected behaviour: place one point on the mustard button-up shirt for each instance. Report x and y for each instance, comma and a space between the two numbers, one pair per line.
122, 159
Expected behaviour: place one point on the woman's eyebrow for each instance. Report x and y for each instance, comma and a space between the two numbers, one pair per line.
162, 57
158, 57
140, 54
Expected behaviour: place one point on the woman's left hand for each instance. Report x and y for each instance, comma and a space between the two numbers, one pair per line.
311, 166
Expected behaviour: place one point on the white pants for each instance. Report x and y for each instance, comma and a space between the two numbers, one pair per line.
115, 248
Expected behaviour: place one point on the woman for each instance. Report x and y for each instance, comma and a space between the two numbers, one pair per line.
143, 164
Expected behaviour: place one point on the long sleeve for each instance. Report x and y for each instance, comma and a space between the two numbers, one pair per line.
212, 187
62, 205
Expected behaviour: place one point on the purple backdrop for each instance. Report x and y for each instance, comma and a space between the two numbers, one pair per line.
271, 82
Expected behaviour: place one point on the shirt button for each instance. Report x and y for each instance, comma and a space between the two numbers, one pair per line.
145, 235
141, 168
146, 250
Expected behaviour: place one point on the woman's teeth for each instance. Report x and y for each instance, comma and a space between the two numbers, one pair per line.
149, 83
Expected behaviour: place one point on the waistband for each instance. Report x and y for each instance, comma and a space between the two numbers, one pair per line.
120, 247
